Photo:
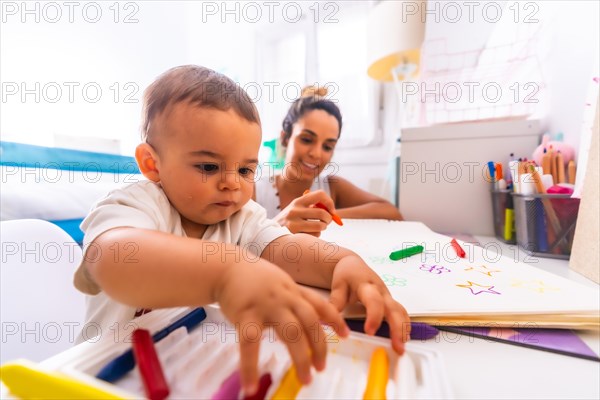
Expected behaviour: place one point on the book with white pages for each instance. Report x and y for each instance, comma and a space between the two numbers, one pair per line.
485, 287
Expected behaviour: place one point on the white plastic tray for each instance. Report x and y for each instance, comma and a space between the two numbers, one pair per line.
196, 364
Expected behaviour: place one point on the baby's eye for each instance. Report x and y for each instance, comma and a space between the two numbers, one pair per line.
208, 168
305, 140
246, 171
328, 148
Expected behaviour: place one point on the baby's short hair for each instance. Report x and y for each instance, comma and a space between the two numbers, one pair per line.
197, 85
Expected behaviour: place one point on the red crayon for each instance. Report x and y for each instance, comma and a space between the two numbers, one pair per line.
459, 250
149, 365
263, 386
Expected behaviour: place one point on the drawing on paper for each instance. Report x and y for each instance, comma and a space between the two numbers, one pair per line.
478, 289
535, 285
434, 269
483, 269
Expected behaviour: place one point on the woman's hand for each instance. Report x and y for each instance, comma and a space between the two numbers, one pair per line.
301, 215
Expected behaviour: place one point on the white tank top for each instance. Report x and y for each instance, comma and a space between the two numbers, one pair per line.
266, 192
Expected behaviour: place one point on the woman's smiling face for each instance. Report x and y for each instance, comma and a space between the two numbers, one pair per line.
311, 144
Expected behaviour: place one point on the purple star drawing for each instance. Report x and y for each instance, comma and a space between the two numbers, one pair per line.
487, 289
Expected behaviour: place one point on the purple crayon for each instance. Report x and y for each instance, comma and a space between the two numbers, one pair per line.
418, 330
422, 331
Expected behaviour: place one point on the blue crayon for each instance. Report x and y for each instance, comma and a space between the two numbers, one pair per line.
121, 365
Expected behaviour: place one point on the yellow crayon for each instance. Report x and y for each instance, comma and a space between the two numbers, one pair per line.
289, 386
25, 380
379, 371
509, 223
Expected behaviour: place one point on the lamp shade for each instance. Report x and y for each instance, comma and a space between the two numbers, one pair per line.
396, 30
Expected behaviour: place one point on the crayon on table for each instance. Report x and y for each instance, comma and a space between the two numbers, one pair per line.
411, 251
418, 330
459, 250
26, 380
422, 331
336, 218
149, 366
263, 387
379, 370
121, 365
289, 386
230, 388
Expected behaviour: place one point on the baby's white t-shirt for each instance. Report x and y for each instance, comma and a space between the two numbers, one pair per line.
145, 205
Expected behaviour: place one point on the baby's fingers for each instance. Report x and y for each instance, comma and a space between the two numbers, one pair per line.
327, 312
339, 295
293, 335
371, 298
249, 349
399, 323
311, 327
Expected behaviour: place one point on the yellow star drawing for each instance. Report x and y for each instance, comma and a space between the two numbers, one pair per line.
535, 285
483, 269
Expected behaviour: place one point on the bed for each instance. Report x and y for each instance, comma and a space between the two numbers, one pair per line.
58, 185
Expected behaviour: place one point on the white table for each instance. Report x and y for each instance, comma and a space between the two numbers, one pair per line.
481, 368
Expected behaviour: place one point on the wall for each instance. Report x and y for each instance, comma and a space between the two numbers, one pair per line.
571, 64
120, 58
130, 55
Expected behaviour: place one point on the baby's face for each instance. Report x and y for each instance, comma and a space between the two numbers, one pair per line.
206, 162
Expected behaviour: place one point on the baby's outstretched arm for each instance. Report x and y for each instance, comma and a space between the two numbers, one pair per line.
314, 262
150, 269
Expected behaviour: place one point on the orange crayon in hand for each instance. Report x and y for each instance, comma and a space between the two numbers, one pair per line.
336, 218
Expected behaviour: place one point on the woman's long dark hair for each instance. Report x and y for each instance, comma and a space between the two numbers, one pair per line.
312, 98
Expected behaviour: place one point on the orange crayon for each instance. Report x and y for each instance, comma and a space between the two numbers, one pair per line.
379, 370
336, 218
499, 172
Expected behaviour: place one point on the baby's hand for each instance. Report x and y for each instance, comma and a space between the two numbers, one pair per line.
259, 294
301, 216
354, 281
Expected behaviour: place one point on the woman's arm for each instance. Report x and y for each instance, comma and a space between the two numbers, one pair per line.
353, 202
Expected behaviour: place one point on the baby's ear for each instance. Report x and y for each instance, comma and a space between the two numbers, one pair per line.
147, 159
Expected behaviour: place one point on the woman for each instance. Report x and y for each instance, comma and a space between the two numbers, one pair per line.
311, 130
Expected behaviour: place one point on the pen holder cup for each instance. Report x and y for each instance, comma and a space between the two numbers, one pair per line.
501, 202
545, 223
